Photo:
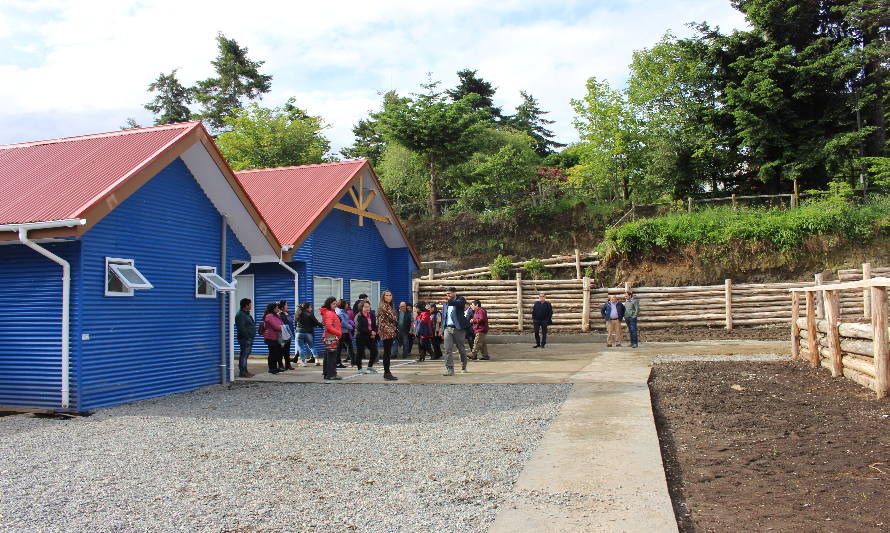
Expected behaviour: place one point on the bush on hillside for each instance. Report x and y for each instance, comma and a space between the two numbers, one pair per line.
500, 267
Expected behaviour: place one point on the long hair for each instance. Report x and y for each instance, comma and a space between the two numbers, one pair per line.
270, 308
328, 301
384, 302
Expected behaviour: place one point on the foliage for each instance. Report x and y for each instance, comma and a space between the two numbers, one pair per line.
369, 140
588, 271
535, 269
529, 118
402, 174
469, 83
262, 137
782, 229
171, 101
237, 79
500, 267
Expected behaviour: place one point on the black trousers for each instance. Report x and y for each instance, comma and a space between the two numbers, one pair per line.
345, 344
284, 360
540, 333
423, 345
329, 366
275, 352
387, 354
437, 347
362, 342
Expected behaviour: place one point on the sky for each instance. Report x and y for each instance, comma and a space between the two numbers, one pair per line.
78, 67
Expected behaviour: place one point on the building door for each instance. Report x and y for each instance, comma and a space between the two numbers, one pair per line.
244, 289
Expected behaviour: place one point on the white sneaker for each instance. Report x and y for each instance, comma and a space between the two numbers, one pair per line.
301, 363
363, 371
372, 370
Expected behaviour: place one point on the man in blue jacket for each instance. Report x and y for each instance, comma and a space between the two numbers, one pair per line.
613, 313
454, 330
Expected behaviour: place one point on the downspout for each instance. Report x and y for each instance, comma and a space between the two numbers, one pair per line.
222, 302
66, 291
232, 312
286, 248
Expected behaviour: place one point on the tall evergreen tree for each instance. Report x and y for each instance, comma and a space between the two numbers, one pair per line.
237, 79
369, 141
171, 101
470, 83
529, 118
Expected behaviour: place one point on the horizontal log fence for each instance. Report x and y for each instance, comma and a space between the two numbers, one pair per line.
578, 260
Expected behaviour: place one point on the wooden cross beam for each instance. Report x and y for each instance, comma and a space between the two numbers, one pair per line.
362, 202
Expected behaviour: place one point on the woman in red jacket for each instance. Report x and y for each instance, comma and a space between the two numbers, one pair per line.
423, 330
331, 337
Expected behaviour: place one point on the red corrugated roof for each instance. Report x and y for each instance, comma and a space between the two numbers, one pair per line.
291, 199
63, 178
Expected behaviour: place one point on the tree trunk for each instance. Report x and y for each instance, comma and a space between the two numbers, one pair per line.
625, 188
434, 189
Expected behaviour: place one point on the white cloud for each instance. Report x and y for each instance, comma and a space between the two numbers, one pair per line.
89, 59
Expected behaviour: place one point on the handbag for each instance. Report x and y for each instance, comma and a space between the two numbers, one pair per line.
285, 334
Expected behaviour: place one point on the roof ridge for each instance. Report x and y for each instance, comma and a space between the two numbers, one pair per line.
332, 163
116, 133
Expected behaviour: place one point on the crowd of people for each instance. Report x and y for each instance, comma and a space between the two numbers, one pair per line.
437, 329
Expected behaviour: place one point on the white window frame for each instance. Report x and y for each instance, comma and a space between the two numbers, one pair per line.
373, 293
128, 290
199, 269
316, 306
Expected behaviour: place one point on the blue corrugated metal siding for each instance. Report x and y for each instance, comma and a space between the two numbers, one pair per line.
162, 340
235, 251
30, 326
271, 284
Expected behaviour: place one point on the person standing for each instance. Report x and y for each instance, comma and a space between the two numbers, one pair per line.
631, 312
387, 329
330, 338
245, 326
471, 334
357, 306
307, 323
271, 332
406, 321
347, 326
613, 312
436, 323
365, 338
287, 323
542, 317
455, 326
423, 330
480, 326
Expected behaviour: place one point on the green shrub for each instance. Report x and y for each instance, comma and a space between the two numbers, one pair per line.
500, 267
535, 269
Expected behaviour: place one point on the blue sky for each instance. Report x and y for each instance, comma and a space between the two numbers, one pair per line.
77, 67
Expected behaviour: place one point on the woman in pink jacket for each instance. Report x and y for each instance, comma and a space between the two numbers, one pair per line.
271, 334
331, 337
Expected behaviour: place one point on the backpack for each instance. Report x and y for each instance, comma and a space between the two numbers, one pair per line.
421, 328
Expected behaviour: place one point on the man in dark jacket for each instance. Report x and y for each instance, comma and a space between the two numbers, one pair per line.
613, 313
542, 316
480, 327
245, 326
405, 323
454, 327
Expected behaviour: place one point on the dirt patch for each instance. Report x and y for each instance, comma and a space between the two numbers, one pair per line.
686, 334
771, 447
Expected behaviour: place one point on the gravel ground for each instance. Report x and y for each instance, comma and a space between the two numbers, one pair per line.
277, 457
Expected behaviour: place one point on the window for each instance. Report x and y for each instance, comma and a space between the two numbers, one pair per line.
362, 286
122, 277
322, 289
208, 282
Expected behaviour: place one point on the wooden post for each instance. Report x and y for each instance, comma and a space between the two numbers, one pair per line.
728, 297
689, 204
585, 305
519, 302
866, 294
627, 287
577, 264
820, 305
812, 343
430, 275
415, 291
734, 205
832, 308
795, 329
796, 197
881, 350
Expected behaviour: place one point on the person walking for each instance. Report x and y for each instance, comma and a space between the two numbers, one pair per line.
330, 338
631, 312
471, 334
387, 329
423, 330
347, 326
271, 331
455, 326
613, 313
288, 323
436, 323
365, 338
306, 324
480, 326
245, 326
406, 333
542, 317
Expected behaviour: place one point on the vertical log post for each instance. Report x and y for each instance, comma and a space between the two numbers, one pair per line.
585, 305
832, 310
415, 291
735, 206
795, 329
519, 310
820, 305
577, 264
812, 342
627, 287
796, 196
728, 296
882, 351
866, 294
430, 274
689, 204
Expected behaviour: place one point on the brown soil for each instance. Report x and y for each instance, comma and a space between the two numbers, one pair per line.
686, 334
792, 450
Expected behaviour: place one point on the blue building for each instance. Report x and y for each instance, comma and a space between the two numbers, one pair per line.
115, 251
339, 233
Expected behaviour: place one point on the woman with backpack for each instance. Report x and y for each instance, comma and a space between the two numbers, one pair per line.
423, 331
288, 322
347, 326
306, 323
331, 338
270, 329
